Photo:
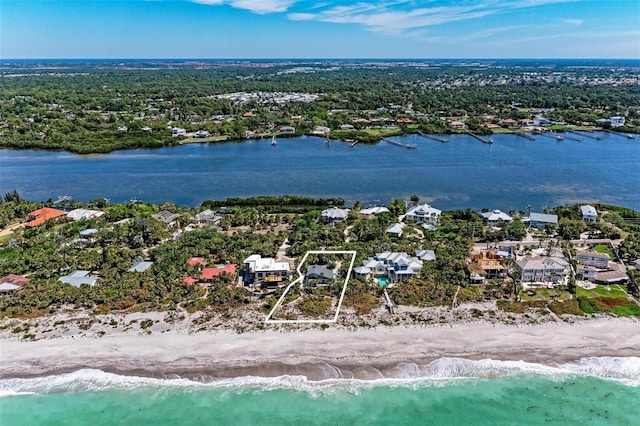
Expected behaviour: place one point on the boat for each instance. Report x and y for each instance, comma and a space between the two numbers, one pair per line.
273, 140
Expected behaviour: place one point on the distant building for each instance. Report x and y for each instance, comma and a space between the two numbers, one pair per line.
202, 134
426, 255
495, 218
287, 130
616, 121
321, 130
334, 215
84, 214
458, 125
177, 131
12, 282
423, 214
319, 275
394, 266
122, 128
589, 213
147, 129
395, 230
372, 211
346, 127
166, 217
40, 216
541, 220
208, 274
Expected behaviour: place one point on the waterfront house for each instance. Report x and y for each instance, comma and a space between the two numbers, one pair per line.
495, 218
84, 214
78, 278
321, 130
319, 276
486, 265
589, 213
346, 127
265, 271
508, 122
423, 214
547, 271
370, 212
395, 266
206, 217
177, 131
12, 282
202, 134
167, 218
457, 125
334, 215
395, 230
40, 216
541, 122
287, 130
141, 266
541, 220
593, 258
616, 121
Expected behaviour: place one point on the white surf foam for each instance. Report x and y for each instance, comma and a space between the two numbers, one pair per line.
439, 372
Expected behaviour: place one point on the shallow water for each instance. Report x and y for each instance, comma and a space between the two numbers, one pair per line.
601, 391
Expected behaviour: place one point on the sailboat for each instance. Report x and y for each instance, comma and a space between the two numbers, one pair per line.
273, 140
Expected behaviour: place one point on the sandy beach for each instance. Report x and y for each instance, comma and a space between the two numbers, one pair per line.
342, 350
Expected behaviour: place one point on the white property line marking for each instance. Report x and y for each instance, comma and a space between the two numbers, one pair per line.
268, 319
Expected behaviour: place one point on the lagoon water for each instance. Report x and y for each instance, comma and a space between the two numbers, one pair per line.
463, 173
448, 391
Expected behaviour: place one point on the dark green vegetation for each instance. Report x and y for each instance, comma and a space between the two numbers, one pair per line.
127, 232
79, 107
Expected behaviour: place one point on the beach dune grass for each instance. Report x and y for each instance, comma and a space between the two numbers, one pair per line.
614, 291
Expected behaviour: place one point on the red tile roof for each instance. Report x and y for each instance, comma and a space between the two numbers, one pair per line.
190, 280
195, 261
209, 273
40, 216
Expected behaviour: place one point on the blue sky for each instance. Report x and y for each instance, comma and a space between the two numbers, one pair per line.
320, 29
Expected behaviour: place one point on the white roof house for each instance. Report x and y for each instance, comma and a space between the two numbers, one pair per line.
540, 220
395, 266
495, 217
426, 255
265, 269
372, 211
77, 278
395, 230
589, 213
334, 214
140, 266
423, 213
84, 214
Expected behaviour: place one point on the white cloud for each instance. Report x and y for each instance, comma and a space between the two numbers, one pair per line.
401, 15
256, 6
573, 21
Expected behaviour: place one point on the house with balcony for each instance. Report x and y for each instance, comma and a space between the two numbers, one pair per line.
545, 272
265, 272
423, 214
495, 218
334, 215
395, 266
542, 220
486, 265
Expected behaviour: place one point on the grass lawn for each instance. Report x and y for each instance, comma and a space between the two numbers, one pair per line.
604, 248
544, 294
600, 291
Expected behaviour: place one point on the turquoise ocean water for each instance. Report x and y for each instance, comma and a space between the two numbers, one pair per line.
448, 391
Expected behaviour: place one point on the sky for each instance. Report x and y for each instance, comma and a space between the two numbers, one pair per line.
319, 29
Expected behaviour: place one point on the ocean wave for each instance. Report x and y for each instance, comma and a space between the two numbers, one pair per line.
440, 372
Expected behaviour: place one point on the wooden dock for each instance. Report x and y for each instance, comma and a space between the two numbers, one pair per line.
481, 139
549, 135
435, 138
625, 135
525, 135
572, 138
400, 144
585, 134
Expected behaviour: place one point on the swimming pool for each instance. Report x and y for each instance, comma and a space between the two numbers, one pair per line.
382, 282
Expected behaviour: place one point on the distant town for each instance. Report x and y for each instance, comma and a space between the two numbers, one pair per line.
86, 107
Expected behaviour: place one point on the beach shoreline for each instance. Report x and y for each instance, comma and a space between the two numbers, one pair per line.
316, 353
